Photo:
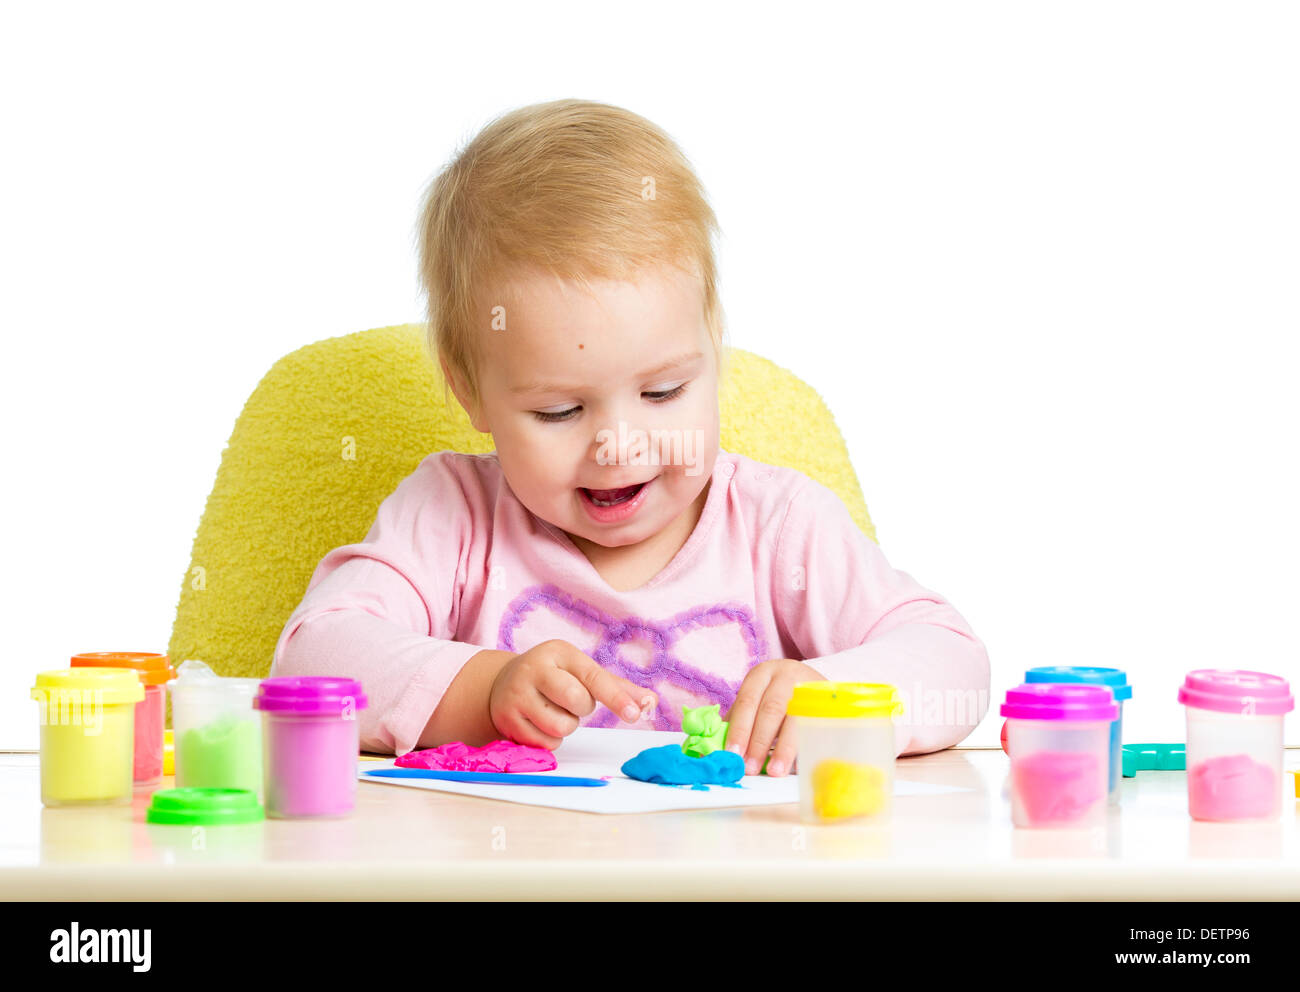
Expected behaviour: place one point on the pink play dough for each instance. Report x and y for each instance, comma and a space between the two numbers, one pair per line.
150, 714
1057, 786
499, 756
1231, 787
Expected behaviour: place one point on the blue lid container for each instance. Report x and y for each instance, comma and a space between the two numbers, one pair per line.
1112, 677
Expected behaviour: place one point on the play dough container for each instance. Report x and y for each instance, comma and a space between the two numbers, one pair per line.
845, 735
1234, 743
87, 718
217, 734
154, 671
1058, 738
1117, 682
312, 741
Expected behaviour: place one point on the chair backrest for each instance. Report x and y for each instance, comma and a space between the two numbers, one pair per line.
332, 429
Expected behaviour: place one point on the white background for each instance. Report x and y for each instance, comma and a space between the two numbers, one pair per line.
1040, 259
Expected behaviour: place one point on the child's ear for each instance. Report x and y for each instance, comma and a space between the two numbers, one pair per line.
458, 387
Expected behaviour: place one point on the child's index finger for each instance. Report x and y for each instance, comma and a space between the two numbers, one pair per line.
608, 688
740, 718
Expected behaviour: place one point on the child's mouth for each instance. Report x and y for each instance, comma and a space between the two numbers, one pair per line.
615, 506
612, 497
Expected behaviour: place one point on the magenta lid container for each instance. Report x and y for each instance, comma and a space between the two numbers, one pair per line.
309, 695
1060, 701
1239, 692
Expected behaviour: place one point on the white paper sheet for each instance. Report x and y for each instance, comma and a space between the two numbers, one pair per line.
593, 752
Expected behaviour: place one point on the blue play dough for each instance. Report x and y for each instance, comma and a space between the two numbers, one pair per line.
669, 765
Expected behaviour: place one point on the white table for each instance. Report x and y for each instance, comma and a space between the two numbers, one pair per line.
411, 844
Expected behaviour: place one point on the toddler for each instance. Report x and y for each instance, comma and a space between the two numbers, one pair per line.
608, 562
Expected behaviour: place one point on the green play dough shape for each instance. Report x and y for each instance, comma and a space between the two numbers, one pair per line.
223, 754
705, 730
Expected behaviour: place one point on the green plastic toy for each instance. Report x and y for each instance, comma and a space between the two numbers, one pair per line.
1153, 757
705, 730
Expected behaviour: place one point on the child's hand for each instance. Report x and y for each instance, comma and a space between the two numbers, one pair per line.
758, 714
538, 697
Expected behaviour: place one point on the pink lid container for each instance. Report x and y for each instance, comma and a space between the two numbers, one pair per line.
317, 695
1245, 693
1060, 701
310, 744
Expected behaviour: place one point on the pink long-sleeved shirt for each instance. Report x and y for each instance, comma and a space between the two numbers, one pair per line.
775, 568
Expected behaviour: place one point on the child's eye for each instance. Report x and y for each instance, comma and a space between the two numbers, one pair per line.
551, 418
667, 394
662, 396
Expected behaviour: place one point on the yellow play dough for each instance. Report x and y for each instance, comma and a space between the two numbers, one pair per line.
81, 767
842, 788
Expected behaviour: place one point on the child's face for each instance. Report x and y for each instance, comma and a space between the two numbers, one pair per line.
574, 392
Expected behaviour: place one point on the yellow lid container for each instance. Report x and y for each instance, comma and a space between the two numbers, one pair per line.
118, 685
846, 737
845, 700
87, 720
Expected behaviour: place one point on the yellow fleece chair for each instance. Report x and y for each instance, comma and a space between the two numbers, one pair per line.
332, 429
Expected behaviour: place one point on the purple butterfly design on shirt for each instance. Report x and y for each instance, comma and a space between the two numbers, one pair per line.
665, 665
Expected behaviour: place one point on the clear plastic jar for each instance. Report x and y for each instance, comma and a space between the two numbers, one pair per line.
1234, 743
846, 750
216, 732
87, 718
1058, 739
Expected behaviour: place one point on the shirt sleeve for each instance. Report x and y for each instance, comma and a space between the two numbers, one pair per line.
382, 611
854, 618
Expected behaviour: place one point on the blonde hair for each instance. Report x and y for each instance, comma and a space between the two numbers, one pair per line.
579, 189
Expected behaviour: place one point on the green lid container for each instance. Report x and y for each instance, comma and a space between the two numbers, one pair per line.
209, 807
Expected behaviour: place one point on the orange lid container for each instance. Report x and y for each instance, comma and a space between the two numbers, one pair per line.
153, 669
